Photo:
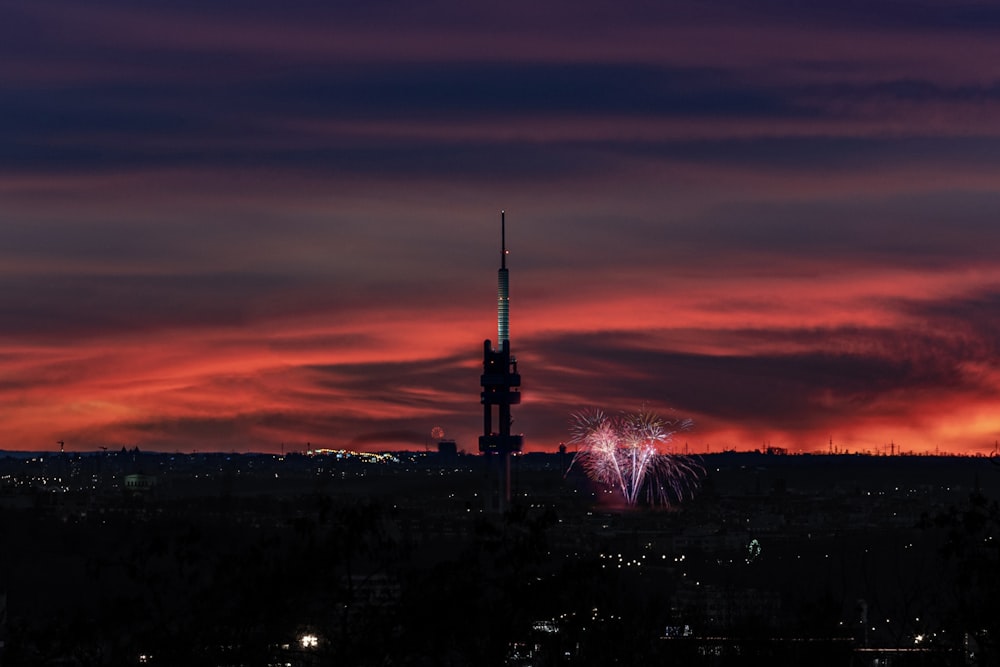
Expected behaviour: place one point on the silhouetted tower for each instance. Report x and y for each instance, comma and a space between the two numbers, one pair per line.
500, 381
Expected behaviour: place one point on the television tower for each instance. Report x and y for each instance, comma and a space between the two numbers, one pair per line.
500, 381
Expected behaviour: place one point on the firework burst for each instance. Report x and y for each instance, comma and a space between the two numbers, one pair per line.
630, 452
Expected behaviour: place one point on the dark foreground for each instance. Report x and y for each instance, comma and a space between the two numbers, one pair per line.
127, 559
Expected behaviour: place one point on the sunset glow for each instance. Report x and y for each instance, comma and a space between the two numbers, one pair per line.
254, 233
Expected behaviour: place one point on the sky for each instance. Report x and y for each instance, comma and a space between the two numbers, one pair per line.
259, 226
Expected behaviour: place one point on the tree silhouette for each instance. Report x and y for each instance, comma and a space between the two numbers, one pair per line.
971, 557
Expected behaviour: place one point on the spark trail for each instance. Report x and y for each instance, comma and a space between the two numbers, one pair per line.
626, 451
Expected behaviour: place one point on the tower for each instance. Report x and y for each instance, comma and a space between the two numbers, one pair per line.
500, 381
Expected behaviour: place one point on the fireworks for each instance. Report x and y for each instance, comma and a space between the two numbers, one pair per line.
626, 451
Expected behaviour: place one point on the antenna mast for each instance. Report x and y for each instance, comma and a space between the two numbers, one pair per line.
503, 290
503, 242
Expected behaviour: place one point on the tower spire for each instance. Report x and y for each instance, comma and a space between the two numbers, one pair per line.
503, 241
503, 290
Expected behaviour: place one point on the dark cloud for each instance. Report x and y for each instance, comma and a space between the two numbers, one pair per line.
419, 91
185, 122
173, 106
65, 306
921, 229
973, 319
822, 154
904, 90
264, 121
70, 307
827, 376
966, 16
809, 239
425, 383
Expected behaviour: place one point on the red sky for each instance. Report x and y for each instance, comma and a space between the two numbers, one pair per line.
244, 225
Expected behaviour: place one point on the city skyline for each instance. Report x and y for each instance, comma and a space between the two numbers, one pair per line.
246, 227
